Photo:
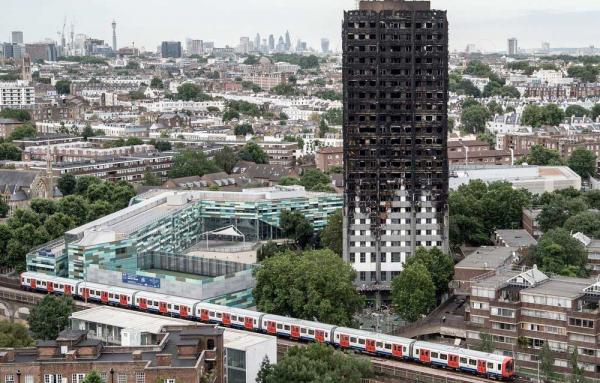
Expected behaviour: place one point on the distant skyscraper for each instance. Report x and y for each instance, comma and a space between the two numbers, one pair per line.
244, 46
513, 46
288, 41
271, 43
545, 47
195, 47
395, 137
171, 49
257, 42
325, 45
114, 28
17, 37
280, 45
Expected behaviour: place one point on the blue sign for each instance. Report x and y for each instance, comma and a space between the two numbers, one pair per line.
141, 280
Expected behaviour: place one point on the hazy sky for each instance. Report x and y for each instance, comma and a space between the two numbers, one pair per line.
485, 23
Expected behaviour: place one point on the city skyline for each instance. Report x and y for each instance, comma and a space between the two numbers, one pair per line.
492, 23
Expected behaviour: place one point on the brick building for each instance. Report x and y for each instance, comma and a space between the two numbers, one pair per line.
280, 153
329, 156
183, 354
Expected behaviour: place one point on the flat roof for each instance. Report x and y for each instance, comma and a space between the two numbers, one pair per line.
487, 258
564, 287
516, 238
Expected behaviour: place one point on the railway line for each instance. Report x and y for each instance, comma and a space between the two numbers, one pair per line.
385, 368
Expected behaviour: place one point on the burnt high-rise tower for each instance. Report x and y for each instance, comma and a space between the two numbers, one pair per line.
114, 39
395, 73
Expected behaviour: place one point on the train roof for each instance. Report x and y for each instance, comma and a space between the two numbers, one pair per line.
112, 289
300, 322
47, 277
374, 335
461, 351
168, 298
231, 310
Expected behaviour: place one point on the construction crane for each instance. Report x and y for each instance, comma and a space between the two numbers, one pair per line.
62, 35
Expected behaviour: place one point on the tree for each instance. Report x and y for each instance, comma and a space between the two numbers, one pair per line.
576, 371
98, 209
191, 163
226, 159
131, 141
587, 222
539, 155
577, 111
17, 114
24, 131
558, 252
163, 146
553, 115
10, 152
266, 369
84, 182
243, 129
439, 265
285, 90
486, 344
331, 235
312, 285
4, 208
135, 95
151, 179
67, 184
14, 335
316, 363
313, 178
546, 362
586, 73
74, 206
595, 112
253, 153
63, 87
50, 316
323, 128
57, 224
583, 162
191, 92
333, 116
156, 83
533, 115
494, 108
93, 377
413, 292
295, 226
474, 118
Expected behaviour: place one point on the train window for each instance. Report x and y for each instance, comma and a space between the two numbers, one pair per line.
235, 318
311, 332
110, 296
417, 352
286, 327
352, 340
255, 321
219, 315
212, 313
472, 362
61, 286
279, 326
388, 346
169, 306
303, 330
499, 367
443, 357
490, 366
463, 360
176, 307
435, 355
361, 341
404, 349
379, 344
56, 285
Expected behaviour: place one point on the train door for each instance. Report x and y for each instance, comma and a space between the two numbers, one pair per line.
295, 332
397, 350
226, 319
344, 340
271, 327
50, 287
481, 367
249, 323
424, 356
371, 346
143, 304
67, 289
123, 300
104, 297
183, 311
86, 293
162, 307
320, 336
453, 361
204, 315
33, 283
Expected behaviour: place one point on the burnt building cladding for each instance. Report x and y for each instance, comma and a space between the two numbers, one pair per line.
395, 75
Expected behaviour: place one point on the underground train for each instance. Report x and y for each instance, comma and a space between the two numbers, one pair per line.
455, 358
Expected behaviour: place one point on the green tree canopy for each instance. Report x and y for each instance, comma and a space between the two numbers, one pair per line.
191, 92
558, 252
536, 116
586, 73
539, 155
93, 377
14, 335
295, 226
63, 87
312, 285
191, 163
156, 83
24, 131
546, 362
66, 184
413, 292
331, 235
243, 129
313, 178
9, 151
316, 363
587, 222
226, 159
50, 316
474, 118
439, 265
583, 162
577, 111
17, 114
253, 153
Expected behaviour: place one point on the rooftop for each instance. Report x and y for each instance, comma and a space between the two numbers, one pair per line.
487, 258
516, 238
564, 287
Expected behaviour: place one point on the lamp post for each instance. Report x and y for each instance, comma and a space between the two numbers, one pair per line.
18, 376
112, 375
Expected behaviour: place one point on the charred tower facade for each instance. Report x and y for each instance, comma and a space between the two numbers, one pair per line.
395, 73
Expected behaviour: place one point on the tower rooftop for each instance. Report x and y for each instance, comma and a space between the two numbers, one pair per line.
393, 5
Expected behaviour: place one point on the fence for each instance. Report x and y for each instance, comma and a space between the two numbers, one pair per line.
190, 265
